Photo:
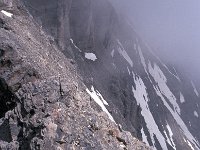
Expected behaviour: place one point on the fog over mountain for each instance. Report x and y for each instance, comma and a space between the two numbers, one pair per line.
84, 74
171, 28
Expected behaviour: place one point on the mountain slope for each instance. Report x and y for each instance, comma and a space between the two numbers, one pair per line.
148, 98
44, 103
155, 102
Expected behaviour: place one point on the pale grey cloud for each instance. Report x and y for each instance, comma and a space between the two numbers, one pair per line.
172, 27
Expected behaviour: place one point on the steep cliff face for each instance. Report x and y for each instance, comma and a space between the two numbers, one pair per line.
43, 102
153, 101
54, 16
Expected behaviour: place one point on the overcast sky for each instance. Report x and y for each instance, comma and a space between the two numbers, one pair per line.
171, 27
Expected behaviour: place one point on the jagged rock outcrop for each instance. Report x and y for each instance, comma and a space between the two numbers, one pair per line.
43, 100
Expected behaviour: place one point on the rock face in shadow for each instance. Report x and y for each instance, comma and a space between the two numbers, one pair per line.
44, 103
54, 16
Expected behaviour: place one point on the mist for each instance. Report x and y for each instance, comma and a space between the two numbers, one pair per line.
171, 28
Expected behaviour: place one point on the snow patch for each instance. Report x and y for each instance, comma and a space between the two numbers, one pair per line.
122, 52
182, 99
90, 56
122, 146
196, 114
101, 97
161, 80
141, 97
7, 13
97, 97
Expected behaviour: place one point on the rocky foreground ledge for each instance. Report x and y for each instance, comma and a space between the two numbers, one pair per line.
43, 101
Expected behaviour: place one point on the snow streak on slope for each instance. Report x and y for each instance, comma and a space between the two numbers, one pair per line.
178, 119
163, 90
143, 61
122, 51
100, 101
195, 90
144, 137
189, 144
128, 71
7, 13
196, 114
75, 45
182, 99
161, 80
142, 57
176, 76
170, 138
141, 97
152, 52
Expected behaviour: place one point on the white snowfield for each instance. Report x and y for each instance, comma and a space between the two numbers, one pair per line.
163, 91
98, 98
90, 56
7, 13
161, 80
141, 97
178, 120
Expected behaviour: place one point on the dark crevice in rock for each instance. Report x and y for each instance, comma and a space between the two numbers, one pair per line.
7, 99
25, 139
3, 25
121, 140
5, 134
2, 52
